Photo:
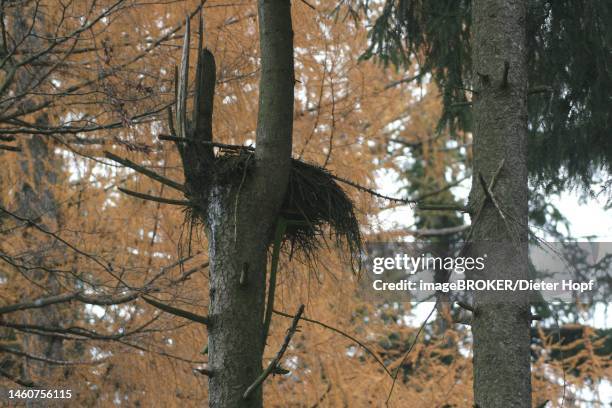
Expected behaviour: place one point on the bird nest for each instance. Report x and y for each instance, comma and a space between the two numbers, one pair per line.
315, 206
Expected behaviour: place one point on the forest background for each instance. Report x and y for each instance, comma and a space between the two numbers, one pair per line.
84, 79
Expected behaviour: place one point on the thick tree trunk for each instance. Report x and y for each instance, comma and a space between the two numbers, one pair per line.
34, 198
241, 221
237, 249
501, 322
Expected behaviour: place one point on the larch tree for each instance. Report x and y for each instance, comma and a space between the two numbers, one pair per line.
59, 93
34, 195
240, 222
240, 219
106, 267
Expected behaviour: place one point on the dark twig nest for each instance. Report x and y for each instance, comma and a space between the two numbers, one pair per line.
314, 197
315, 205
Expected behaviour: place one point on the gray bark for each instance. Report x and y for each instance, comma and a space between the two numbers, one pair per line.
501, 323
33, 198
241, 221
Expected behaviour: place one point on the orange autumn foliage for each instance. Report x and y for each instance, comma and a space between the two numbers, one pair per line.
104, 244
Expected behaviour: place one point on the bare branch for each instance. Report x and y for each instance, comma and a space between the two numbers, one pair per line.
372, 192
439, 231
38, 303
29, 128
484, 200
404, 80
157, 199
491, 196
340, 332
49, 360
309, 5
416, 338
10, 148
17, 380
29, 222
276, 360
441, 207
143, 170
182, 86
205, 142
176, 311
204, 371
67, 297
71, 90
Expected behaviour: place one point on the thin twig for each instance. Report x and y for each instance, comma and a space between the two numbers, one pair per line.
491, 196
279, 233
340, 332
204, 142
49, 360
176, 311
274, 363
439, 231
31, 223
399, 367
404, 80
483, 202
157, 199
372, 192
440, 190
21, 381
309, 5
333, 116
10, 148
322, 397
67, 297
460, 104
441, 207
143, 170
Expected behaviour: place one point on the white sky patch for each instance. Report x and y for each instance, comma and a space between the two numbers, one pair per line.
587, 218
96, 310
393, 218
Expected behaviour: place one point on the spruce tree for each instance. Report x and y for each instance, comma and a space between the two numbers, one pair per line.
568, 75
530, 80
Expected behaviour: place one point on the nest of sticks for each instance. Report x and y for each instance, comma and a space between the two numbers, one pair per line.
315, 206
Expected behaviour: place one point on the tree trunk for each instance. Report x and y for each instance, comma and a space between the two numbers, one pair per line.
501, 322
241, 221
34, 198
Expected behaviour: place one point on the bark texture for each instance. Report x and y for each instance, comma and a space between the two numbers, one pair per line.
241, 220
501, 322
35, 200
